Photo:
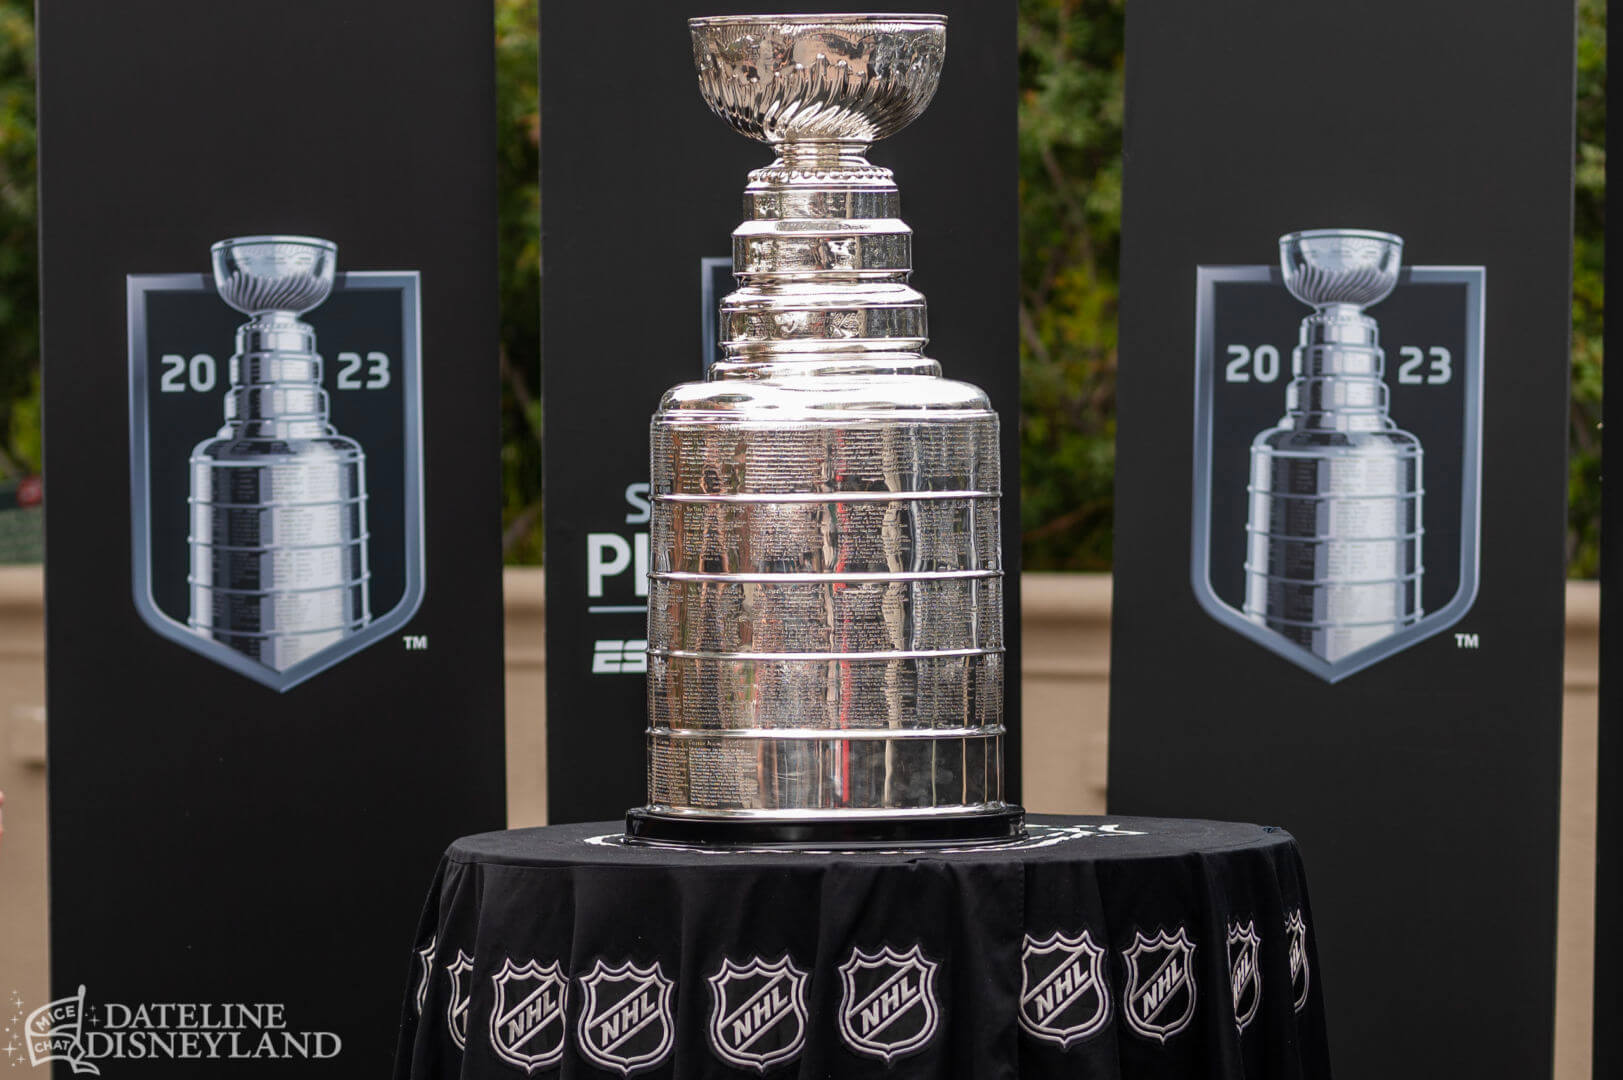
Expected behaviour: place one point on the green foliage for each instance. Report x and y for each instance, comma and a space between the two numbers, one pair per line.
1588, 294
518, 143
1070, 236
20, 451
1070, 231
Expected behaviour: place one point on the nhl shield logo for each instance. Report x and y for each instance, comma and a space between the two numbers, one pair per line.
1245, 975
625, 1023
1063, 996
887, 1002
527, 1021
1160, 997
1296, 930
276, 458
1338, 450
757, 1012
425, 960
456, 1010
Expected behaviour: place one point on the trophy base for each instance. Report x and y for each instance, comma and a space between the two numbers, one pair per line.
1003, 826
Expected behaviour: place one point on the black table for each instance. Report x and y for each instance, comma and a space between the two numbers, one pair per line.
1100, 947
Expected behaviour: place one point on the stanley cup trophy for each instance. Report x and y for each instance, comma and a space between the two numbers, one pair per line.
1333, 555
278, 497
825, 616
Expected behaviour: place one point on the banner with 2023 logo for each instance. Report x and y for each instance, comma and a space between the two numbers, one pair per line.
1338, 575
273, 526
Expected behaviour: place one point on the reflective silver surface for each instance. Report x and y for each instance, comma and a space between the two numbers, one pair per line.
1333, 555
825, 605
278, 498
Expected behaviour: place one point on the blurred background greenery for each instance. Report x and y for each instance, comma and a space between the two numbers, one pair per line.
1588, 294
1070, 192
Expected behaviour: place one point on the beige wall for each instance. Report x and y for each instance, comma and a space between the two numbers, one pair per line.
1066, 669
1065, 665
22, 778
1575, 943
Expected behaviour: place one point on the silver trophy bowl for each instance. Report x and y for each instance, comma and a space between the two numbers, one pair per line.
278, 537
261, 274
1334, 532
825, 627
1340, 266
819, 78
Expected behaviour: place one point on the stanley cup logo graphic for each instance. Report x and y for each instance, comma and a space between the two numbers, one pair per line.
1312, 536
278, 498
1333, 552
263, 548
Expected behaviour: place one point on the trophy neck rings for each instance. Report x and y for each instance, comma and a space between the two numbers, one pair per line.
823, 257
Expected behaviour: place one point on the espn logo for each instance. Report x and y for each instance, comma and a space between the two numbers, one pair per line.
620, 657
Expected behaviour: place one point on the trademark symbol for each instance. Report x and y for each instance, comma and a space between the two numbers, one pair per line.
414, 642
1467, 641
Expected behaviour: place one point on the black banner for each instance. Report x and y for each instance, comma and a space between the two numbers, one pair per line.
1406, 726
641, 186
241, 822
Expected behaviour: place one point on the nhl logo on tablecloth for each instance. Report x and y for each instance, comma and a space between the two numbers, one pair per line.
625, 1022
1245, 975
425, 958
758, 1012
1159, 1000
887, 1005
1296, 929
527, 1020
1063, 996
456, 1011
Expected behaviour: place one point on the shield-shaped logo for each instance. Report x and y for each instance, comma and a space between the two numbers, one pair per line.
625, 1023
425, 960
276, 488
887, 1002
1245, 974
1063, 996
456, 1010
527, 1024
757, 1012
1337, 457
1301, 979
1159, 1000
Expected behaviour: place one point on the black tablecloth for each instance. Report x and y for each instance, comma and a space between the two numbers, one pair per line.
1100, 947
